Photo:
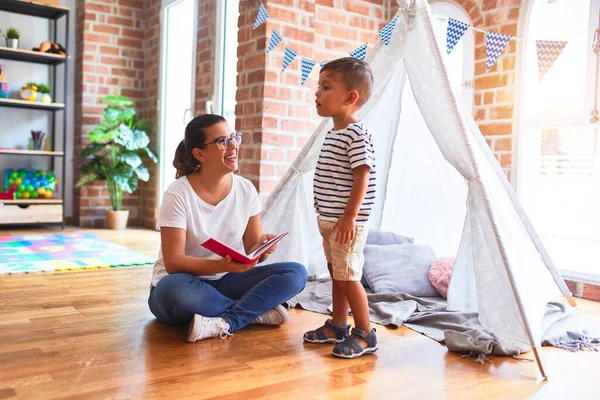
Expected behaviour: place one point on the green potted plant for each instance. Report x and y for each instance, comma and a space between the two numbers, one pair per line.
117, 149
44, 93
12, 36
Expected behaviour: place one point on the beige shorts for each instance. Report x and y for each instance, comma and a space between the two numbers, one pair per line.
347, 260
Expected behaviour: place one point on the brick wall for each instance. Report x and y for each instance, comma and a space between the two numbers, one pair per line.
119, 46
493, 105
205, 54
149, 109
275, 113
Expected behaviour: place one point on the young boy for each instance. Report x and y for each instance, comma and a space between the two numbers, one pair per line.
344, 192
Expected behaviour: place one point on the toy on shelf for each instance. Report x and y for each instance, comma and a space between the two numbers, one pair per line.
24, 184
28, 92
43, 92
3, 84
51, 47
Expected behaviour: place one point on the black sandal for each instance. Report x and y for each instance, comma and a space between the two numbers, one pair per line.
350, 348
319, 335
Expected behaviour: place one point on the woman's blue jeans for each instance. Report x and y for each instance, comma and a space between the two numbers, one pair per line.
238, 298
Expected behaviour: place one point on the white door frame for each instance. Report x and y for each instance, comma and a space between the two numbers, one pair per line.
451, 9
165, 4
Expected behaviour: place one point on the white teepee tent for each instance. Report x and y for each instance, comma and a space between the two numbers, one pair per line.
437, 181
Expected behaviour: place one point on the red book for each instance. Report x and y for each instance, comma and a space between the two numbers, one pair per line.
223, 250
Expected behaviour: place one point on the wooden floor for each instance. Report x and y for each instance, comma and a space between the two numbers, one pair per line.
90, 335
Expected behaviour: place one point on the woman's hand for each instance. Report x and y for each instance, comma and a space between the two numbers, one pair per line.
228, 265
262, 240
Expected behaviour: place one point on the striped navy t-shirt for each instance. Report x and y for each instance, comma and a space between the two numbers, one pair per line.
342, 151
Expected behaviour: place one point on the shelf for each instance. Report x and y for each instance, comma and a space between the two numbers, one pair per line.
7, 53
31, 201
30, 104
31, 152
33, 9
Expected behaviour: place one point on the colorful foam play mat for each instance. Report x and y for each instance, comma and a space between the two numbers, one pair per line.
64, 252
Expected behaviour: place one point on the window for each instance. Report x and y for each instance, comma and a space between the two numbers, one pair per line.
559, 148
460, 63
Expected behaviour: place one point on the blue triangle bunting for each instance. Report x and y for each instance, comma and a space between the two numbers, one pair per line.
495, 43
360, 53
307, 67
456, 29
288, 57
386, 32
276, 38
322, 63
261, 17
547, 52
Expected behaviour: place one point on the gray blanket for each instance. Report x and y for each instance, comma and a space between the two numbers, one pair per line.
460, 332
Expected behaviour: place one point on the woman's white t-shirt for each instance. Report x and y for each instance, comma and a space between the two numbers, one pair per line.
226, 222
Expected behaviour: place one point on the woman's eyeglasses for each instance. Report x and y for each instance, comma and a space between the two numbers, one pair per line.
223, 142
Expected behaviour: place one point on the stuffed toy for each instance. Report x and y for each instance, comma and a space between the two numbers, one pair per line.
50, 47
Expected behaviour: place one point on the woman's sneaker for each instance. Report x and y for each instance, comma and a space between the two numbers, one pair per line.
204, 327
275, 316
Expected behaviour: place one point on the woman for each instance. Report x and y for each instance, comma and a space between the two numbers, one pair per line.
217, 296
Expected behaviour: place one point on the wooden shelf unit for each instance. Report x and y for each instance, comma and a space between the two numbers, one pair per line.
39, 211
31, 56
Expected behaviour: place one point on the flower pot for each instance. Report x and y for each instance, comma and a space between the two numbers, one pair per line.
117, 219
12, 43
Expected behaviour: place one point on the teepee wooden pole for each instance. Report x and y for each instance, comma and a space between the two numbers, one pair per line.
539, 363
492, 220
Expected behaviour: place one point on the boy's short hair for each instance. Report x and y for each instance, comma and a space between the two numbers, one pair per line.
355, 73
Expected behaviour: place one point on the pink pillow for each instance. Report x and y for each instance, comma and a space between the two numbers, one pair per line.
440, 273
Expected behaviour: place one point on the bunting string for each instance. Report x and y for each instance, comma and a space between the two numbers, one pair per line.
496, 43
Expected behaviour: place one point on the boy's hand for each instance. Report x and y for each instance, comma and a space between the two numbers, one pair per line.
345, 229
231, 266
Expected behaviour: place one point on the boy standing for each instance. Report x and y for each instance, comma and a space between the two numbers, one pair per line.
344, 193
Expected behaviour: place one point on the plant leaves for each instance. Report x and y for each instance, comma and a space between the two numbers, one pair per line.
132, 159
117, 101
113, 114
132, 140
100, 135
128, 114
132, 184
151, 154
142, 173
86, 179
92, 148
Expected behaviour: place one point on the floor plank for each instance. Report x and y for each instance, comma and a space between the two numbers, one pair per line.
89, 334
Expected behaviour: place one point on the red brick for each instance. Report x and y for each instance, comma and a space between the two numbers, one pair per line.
501, 112
130, 43
488, 98
109, 50
325, 3
132, 3
278, 140
357, 7
591, 291
133, 33
277, 93
496, 129
274, 108
114, 61
96, 7
120, 21
106, 29
90, 37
